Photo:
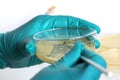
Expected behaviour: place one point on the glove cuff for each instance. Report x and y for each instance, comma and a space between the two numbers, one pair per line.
3, 62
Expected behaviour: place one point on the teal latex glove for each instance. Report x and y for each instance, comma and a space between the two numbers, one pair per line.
17, 49
71, 67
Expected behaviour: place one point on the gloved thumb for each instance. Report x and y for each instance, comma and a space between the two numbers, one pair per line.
29, 47
71, 58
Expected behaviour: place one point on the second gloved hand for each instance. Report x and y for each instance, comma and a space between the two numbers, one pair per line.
17, 49
72, 67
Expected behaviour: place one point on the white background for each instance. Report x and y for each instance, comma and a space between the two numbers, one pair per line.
13, 13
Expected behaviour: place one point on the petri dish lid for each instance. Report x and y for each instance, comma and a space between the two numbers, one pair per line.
64, 33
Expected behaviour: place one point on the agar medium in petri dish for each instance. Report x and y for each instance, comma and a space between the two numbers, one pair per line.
53, 44
110, 50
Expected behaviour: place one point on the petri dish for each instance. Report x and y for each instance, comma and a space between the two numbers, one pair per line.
53, 44
110, 50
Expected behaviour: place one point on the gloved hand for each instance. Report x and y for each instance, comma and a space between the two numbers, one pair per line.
71, 66
17, 46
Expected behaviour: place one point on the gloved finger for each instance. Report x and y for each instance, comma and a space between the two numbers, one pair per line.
94, 57
94, 41
59, 21
29, 47
70, 21
71, 58
90, 72
84, 23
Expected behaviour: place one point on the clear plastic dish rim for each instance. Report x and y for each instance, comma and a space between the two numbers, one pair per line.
94, 32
